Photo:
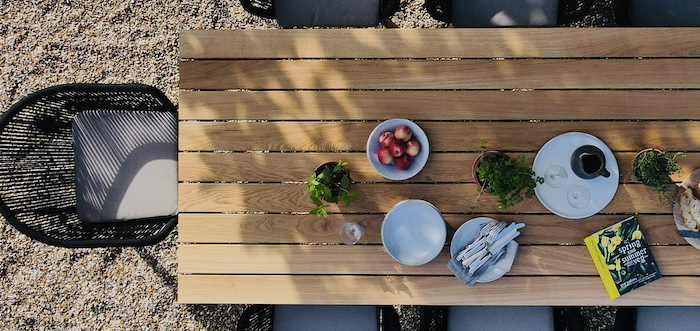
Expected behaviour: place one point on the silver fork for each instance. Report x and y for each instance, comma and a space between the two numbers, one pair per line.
475, 250
488, 240
485, 231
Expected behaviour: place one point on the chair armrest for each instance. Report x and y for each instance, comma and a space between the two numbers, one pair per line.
440, 10
573, 10
262, 8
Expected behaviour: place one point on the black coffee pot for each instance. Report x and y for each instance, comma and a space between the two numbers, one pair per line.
588, 162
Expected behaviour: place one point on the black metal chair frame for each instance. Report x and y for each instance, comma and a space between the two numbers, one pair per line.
569, 10
260, 318
434, 318
37, 172
266, 8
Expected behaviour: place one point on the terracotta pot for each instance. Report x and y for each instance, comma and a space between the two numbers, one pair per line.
478, 161
634, 171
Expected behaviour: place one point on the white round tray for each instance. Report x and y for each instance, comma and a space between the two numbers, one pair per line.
557, 151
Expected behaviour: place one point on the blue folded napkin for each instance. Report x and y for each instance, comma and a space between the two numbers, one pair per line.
460, 271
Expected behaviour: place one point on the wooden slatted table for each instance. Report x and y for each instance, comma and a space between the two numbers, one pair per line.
261, 109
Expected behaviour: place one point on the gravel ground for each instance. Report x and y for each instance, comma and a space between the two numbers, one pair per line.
49, 42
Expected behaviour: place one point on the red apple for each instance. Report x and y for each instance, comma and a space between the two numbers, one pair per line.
403, 133
412, 147
402, 162
386, 138
384, 156
397, 148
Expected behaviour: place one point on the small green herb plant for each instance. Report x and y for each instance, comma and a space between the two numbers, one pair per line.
331, 186
510, 180
654, 169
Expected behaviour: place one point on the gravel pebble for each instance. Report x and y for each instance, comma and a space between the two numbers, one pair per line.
50, 42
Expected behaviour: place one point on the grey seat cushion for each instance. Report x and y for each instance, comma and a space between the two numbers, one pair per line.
324, 318
668, 318
498, 13
339, 13
125, 165
665, 12
490, 318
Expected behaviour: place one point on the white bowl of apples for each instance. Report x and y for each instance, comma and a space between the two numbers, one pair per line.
398, 149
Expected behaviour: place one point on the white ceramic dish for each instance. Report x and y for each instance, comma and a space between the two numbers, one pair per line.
389, 171
467, 233
413, 232
598, 191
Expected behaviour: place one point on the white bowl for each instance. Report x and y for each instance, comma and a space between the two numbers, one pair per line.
467, 233
413, 232
390, 171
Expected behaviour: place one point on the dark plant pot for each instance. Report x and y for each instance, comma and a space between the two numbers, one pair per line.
478, 160
634, 161
335, 180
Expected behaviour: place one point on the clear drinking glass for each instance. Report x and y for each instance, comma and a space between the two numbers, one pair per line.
350, 233
555, 176
578, 197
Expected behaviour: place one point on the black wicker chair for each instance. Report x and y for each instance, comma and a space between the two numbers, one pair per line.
569, 10
434, 318
261, 317
266, 8
37, 173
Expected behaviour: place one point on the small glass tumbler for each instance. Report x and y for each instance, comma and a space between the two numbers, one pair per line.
350, 233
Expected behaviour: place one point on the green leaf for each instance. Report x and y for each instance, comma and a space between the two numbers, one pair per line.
345, 182
317, 201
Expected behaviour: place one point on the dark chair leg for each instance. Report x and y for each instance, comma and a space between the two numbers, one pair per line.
256, 318
568, 319
388, 319
433, 319
625, 319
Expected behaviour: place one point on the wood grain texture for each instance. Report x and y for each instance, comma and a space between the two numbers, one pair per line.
285, 167
443, 136
440, 105
427, 290
434, 74
379, 198
426, 43
303, 229
374, 260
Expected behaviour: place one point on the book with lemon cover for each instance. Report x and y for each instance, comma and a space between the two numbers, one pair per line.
622, 257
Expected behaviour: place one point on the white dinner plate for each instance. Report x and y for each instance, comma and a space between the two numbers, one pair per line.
413, 232
467, 233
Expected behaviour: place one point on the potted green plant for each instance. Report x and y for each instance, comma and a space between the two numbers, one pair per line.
329, 183
510, 180
654, 167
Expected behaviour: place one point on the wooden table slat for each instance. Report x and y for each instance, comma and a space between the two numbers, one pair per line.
443, 136
440, 105
379, 198
285, 229
286, 167
373, 260
427, 43
427, 290
427, 74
